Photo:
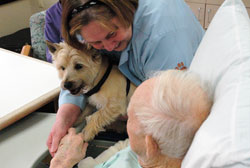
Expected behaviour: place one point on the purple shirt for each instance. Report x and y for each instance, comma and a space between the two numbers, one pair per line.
52, 30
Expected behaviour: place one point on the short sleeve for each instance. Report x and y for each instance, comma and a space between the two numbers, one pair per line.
67, 98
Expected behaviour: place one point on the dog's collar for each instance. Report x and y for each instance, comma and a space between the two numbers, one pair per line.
100, 83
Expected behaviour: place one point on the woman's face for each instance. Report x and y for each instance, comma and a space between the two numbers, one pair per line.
102, 38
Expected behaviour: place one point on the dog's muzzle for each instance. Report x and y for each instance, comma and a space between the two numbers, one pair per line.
68, 85
72, 88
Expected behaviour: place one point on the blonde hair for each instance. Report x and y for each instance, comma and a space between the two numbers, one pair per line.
124, 10
180, 102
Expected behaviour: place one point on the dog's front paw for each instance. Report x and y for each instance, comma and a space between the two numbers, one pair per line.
88, 136
88, 118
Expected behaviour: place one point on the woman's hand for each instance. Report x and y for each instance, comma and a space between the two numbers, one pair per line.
65, 118
72, 150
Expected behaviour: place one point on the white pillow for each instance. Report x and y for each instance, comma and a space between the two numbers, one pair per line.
223, 58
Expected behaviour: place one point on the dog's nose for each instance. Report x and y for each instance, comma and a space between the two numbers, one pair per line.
68, 85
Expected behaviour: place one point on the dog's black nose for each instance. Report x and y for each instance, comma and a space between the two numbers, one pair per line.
68, 85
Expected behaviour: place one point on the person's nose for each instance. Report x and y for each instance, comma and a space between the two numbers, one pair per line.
108, 45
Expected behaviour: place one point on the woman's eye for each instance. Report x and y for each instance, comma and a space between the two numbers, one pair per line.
78, 66
111, 34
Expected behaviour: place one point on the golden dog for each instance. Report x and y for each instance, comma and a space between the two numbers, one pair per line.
81, 72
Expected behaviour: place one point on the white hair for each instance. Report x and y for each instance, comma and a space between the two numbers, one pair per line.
180, 102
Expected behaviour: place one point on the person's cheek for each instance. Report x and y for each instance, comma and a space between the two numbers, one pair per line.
98, 47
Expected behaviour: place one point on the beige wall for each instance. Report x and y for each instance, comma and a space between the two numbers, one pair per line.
15, 16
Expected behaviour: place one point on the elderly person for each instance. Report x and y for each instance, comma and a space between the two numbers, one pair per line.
163, 116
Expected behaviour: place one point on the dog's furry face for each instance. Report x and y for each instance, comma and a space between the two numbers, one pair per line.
77, 69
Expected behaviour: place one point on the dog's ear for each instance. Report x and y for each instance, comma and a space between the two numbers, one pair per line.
53, 47
96, 57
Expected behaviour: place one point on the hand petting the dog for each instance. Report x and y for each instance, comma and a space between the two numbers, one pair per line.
65, 118
71, 150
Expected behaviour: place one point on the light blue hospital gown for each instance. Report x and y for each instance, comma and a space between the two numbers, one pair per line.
165, 34
125, 158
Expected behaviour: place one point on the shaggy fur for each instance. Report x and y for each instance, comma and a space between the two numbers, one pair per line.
79, 72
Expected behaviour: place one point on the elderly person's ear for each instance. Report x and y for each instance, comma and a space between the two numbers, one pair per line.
151, 146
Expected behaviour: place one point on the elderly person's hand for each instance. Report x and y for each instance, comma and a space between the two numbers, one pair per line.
71, 150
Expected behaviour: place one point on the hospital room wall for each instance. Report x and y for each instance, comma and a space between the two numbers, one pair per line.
15, 15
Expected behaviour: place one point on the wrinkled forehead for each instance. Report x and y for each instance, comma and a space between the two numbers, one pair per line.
133, 121
142, 96
144, 92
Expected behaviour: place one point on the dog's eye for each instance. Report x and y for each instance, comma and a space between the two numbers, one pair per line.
62, 68
78, 66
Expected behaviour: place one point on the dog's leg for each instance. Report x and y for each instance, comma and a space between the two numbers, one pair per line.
101, 118
88, 119
87, 111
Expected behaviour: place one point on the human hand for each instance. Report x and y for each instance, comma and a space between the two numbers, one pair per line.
72, 150
66, 116
58, 131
